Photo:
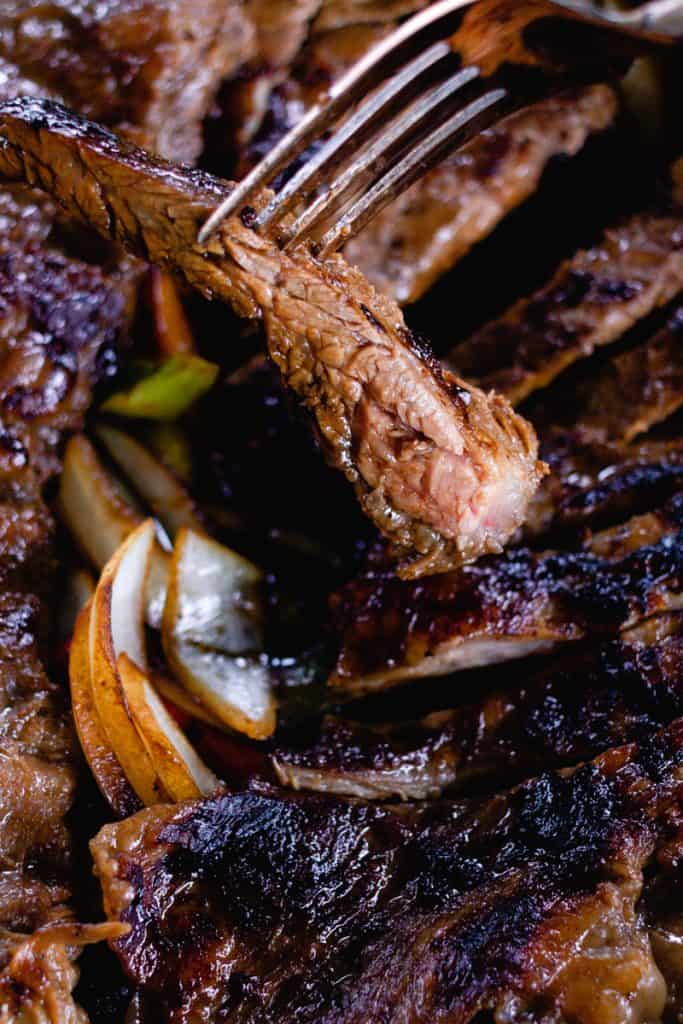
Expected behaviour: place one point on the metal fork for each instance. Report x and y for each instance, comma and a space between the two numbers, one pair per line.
442, 76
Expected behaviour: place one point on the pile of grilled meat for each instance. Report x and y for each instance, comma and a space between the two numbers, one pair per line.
501, 842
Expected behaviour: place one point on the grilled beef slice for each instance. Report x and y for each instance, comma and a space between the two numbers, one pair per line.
634, 391
571, 709
268, 906
151, 68
595, 487
299, 50
444, 470
519, 603
592, 300
433, 225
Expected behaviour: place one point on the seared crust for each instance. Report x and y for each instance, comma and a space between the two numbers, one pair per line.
634, 391
444, 470
582, 703
503, 608
592, 300
60, 323
272, 906
598, 485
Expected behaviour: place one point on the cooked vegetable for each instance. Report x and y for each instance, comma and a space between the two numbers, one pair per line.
116, 627
171, 327
167, 498
185, 703
168, 442
180, 768
99, 753
99, 517
212, 633
167, 393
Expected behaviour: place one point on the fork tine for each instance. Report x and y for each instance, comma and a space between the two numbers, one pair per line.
378, 151
339, 98
376, 105
430, 151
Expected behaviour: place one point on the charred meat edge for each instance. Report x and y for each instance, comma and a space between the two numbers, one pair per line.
522, 602
591, 301
568, 711
524, 905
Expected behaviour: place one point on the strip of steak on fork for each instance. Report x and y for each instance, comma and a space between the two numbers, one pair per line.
271, 906
444, 470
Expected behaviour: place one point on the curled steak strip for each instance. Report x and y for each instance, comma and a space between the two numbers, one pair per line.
592, 300
568, 711
273, 907
507, 607
443, 469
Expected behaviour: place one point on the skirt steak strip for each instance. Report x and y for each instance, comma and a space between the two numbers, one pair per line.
443, 469
568, 711
592, 300
269, 906
520, 603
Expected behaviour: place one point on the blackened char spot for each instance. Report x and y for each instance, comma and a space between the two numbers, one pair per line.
248, 216
371, 318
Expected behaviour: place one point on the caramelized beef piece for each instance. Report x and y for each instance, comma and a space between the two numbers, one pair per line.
592, 300
444, 470
568, 711
598, 485
37, 984
519, 603
59, 321
634, 391
300, 49
433, 225
150, 68
268, 906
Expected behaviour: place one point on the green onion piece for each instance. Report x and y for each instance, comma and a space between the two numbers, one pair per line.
168, 392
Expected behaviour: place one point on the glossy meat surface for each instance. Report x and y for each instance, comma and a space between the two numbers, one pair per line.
266, 906
592, 300
566, 711
444, 470
150, 68
61, 321
519, 603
